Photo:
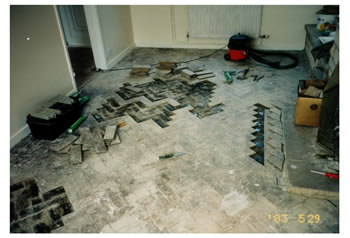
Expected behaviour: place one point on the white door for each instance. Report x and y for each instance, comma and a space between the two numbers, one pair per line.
74, 25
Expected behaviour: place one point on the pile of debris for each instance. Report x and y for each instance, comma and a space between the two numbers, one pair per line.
311, 88
96, 140
309, 102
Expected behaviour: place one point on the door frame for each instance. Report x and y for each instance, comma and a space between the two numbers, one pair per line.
96, 39
95, 34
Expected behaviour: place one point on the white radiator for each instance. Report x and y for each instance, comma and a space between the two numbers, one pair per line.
224, 21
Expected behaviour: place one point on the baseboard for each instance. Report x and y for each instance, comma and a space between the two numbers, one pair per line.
277, 48
203, 46
178, 45
121, 55
19, 135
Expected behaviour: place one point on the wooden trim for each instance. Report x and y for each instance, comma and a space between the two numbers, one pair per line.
95, 33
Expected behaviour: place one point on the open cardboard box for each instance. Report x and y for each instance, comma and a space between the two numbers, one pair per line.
308, 109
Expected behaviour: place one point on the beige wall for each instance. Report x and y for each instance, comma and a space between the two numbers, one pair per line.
167, 26
152, 24
116, 28
285, 25
38, 67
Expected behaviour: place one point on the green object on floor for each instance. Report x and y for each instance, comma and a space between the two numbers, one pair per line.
228, 77
76, 124
83, 100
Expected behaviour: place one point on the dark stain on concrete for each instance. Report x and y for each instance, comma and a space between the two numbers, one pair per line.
31, 212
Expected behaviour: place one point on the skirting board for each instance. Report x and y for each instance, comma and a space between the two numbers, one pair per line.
24, 131
204, 46
179, 45
19, 135
120, 56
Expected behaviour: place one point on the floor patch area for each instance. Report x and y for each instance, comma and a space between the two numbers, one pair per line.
32, 212
196, 95
269, 139
259, 134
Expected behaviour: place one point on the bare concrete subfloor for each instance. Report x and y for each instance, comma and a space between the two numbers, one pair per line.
214, 187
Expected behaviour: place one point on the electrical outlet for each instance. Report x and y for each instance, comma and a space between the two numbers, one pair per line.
264, 36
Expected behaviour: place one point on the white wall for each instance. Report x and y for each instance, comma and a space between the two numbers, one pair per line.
117, 33
39, 69
167, 26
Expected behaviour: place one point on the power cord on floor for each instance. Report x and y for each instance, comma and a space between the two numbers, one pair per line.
180, 62
201, 57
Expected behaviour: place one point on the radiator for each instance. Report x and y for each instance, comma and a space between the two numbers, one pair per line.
224, 21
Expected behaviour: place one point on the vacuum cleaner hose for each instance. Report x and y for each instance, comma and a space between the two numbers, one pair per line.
255, 54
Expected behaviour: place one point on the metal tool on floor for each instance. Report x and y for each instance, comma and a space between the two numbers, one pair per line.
329, 175
241, 75
257, 77
168, 156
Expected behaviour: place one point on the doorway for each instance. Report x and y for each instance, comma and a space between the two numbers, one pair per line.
76, 34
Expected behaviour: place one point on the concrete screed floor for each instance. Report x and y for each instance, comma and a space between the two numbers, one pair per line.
214, 187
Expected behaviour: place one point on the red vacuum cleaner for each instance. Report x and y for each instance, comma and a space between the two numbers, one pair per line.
238, 47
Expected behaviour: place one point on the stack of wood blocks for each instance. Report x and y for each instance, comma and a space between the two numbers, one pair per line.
205, 74
199, 74
140, 70
166, 65
188, 74
178, 69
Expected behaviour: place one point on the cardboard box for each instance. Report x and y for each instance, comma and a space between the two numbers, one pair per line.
308, 109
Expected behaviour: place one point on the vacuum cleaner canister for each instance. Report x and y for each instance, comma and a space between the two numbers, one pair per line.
238, 47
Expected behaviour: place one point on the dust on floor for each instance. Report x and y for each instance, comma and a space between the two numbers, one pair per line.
215, 187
